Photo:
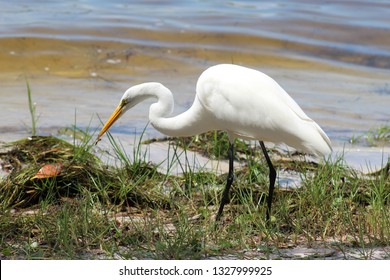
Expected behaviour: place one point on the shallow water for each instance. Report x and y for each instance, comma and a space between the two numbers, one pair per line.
332, 57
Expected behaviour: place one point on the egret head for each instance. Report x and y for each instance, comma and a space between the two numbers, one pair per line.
130, 98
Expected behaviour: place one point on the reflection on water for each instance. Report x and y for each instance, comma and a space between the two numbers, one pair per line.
333, 58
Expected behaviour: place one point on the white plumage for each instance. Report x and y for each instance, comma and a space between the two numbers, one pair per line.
244, 102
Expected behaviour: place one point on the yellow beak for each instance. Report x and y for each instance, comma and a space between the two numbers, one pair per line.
114, 116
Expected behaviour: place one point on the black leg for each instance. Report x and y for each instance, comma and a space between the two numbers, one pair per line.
272, 178
229, 181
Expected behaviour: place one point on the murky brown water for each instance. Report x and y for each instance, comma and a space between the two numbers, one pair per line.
79, 57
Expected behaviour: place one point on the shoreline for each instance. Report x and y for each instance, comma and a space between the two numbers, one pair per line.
363, 159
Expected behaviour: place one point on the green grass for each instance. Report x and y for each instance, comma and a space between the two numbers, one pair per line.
32, 109
378, 136
132, 210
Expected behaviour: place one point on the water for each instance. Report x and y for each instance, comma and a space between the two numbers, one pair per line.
332, 57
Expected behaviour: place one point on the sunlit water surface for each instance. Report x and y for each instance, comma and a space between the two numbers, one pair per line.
332, 57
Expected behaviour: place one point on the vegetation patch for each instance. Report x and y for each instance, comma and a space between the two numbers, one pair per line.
378, 136
89, 210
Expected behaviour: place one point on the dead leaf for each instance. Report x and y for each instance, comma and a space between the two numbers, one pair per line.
48, 171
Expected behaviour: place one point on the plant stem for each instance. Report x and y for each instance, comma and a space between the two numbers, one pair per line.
32, 110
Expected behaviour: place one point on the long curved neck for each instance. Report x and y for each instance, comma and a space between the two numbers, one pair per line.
165, 103
185, 124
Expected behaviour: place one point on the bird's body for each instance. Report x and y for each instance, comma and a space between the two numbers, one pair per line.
244, 102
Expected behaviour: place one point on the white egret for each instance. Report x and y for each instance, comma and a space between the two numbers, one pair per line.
245, 103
